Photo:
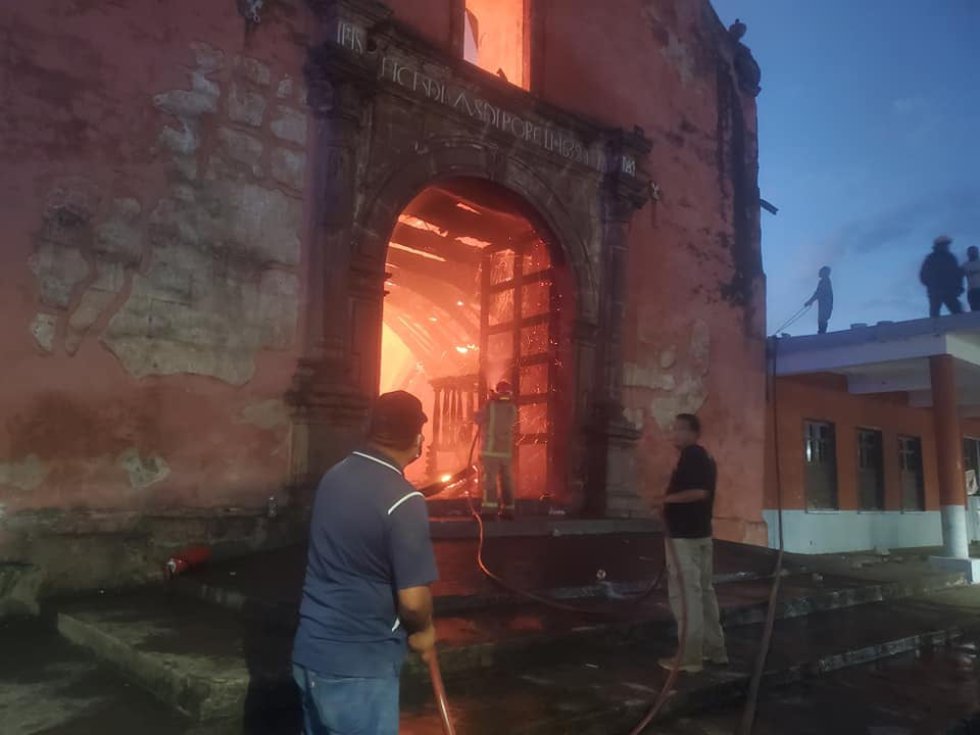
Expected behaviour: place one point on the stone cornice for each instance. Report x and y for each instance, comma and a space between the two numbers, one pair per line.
362, 43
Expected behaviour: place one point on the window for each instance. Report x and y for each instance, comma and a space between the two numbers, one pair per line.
494, 38
871, 470
971, 461
820, 456
913, 480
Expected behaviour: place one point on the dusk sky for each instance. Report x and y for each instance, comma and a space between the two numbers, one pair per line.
869, 145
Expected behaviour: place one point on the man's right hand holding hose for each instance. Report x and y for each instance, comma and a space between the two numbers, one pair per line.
424, 642
415, 610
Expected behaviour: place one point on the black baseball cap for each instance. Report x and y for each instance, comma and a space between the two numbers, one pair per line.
396, 419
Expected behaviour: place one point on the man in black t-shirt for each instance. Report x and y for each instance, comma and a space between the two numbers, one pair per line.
687, 513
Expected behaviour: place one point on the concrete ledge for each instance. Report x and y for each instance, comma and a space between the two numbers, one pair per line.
969, 568
88, 550
19, 589
465, 528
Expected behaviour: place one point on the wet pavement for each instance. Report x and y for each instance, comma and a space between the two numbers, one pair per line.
569, 565
48, 687
511, 666
603, 690
936, 693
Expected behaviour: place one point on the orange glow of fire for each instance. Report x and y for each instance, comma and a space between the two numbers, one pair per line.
420, 224
414, 251
472, 242
494, 37
397, 360
432, 343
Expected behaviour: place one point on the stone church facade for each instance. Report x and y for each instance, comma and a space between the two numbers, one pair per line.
199, 202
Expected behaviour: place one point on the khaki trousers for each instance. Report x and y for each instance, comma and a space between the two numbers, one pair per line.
704, 636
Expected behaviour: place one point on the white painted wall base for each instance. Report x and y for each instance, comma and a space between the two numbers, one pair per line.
825, 532
970, 568
955, 542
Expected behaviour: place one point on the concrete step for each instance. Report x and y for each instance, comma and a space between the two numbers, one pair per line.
608, 690
210, 663
49, 686
195, 657
743, 596
565, 566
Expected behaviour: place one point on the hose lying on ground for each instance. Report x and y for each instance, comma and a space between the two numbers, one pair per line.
667, 688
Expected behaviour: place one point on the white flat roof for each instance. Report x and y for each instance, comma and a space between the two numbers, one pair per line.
891, 356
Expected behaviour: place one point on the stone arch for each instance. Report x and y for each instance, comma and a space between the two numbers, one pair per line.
446, 159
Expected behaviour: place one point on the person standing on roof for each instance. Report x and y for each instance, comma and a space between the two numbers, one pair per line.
971, 269
366, 594
496, 421
824, 296
942, 277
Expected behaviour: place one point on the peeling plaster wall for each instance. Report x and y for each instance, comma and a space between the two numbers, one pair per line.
154, 159
694, 338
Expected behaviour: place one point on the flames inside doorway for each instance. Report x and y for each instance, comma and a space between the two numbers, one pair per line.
477, 294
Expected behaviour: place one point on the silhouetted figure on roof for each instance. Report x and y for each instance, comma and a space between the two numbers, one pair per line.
971, 269
942, 277
824, 296
747, 70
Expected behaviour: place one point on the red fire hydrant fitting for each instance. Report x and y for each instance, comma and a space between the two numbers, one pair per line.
187, 558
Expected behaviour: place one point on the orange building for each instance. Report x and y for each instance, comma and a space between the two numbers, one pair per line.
876, 432
228, 225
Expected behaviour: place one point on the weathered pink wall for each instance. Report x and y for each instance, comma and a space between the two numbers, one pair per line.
99, 235
690, 345
83, 138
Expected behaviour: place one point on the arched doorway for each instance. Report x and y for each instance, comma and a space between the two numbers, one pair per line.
393, 122
477, 290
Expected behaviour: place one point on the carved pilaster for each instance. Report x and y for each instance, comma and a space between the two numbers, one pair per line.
612, 438
327, 423
328, 403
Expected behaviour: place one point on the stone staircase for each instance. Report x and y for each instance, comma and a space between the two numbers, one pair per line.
215, 646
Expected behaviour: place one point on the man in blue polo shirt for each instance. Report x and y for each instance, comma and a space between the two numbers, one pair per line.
366, 594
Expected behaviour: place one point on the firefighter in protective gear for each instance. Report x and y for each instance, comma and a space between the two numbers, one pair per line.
496, 420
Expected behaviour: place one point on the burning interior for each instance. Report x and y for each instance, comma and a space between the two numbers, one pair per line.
476, 293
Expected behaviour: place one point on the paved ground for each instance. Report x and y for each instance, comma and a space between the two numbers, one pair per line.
48, 686
932, 694
535, 563
601, 692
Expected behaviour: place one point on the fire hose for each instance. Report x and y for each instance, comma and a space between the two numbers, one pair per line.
437, 684
748, 714
439, 690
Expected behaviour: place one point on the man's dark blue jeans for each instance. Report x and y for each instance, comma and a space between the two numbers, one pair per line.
344, 705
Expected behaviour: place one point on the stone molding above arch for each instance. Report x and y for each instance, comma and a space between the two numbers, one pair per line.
577, 243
